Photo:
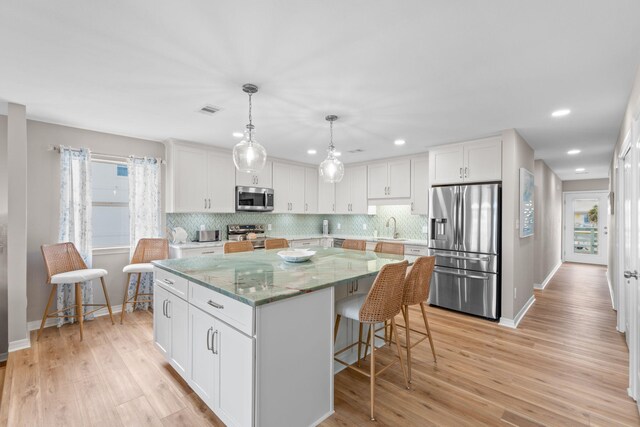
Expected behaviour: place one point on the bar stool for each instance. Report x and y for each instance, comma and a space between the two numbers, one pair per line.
382, 304
65, 265
147, 250
389, 248
241, 246
416, 291
276, 244
358, 245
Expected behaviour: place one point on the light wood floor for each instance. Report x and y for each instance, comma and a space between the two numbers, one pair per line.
565, 365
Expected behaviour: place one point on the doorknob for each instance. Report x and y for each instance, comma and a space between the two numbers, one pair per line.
629, 274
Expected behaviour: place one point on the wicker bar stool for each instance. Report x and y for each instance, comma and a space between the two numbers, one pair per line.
241, 246
358, 245
389, 248
382, 304
276, 244
147, 250
65, 265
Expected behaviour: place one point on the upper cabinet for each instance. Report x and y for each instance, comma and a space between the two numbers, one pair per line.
473, 161
389, 180
420, 185
326, 197
197, 180
351, 192
262, 179
289, 188
310, 190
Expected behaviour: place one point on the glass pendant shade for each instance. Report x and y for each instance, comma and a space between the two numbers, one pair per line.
331, 169
248, 155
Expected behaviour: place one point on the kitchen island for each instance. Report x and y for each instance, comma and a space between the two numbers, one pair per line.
253, 335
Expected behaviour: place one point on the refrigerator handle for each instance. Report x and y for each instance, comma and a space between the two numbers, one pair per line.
460, 219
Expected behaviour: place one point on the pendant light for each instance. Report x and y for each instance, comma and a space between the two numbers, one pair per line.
331, 169
248, 155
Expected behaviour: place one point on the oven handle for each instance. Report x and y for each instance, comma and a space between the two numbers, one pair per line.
484, 258
466, 276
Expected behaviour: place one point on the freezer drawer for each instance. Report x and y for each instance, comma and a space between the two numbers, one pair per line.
466, 261
466, 291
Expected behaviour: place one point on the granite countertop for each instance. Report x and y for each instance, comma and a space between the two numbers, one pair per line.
419, 242
261, 277
193, 245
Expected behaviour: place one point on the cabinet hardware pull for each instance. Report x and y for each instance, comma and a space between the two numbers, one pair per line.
215, 305
164, 308
214, 350
466, 172
209, 203
209, 343
411, 206
357, 286
168, 306
168, 282
208, 252
205, 203
460, 172
306, 207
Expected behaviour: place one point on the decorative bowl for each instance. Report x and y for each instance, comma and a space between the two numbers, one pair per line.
296, 255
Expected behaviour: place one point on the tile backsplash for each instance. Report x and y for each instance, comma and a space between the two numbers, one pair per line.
409, 226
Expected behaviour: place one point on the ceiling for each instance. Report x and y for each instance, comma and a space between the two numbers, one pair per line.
429, 72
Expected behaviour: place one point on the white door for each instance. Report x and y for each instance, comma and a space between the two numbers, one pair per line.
326, 197
359, 201
161, 328
399, 179
281, 197
585, 230
221, 192
178, 312
296, 189
378, 182
203, 370
264, 178
446, 165
483, 160
190, 180
311, 190
419, 186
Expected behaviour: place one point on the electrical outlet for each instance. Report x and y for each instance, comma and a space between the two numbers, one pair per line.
269, 227
515, 293
425, 229
339, 226
364, 226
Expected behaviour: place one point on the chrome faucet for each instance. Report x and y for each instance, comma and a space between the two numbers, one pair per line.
395, 233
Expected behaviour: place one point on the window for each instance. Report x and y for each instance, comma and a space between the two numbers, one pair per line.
110, 187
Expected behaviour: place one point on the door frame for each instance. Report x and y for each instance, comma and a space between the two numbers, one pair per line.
618, 277
565, 194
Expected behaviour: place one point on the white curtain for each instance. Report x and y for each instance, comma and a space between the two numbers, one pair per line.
144, 214
75, 219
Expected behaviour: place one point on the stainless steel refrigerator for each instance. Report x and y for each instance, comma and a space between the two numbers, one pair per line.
465, 238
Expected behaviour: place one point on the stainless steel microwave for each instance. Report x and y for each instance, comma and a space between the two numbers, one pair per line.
254, 199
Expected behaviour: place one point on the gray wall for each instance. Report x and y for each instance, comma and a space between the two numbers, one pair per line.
586, 185
517, 253
4, 320
43, 199
548, 216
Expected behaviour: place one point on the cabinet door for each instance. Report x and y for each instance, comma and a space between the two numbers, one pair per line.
310, 190
264, 178
326, 197
282, 195
378, 181
234, 351
221, 192
203, 373
296, 189
189, 180
343, 193
358, 182
446, 165
399, 179
420, 185
178, 313
161, 328
244, 179
483, 160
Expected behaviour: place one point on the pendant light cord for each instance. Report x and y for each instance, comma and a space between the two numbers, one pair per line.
250, 125
331, 147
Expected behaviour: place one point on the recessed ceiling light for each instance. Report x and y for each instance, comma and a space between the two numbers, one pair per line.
561, 113
572, 152
238, 134
399, 142
337, 153
311, 151
580, 170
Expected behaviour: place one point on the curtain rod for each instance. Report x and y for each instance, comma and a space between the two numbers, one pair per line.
113, 156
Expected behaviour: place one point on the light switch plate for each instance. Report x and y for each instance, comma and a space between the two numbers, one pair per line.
269, 227
339, 226
425, 229
364, 226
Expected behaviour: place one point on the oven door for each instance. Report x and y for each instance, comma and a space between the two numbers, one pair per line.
467, 291
254, 199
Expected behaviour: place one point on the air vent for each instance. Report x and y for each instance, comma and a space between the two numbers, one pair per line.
209, 109
357, 150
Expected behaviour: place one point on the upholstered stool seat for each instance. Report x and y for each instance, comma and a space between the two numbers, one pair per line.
349, 307
143, 267
78, 276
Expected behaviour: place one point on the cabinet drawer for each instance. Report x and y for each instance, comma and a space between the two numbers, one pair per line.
304, 243
235, 313
174, 284
416, 250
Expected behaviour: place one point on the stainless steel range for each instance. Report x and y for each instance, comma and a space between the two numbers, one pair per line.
251, 232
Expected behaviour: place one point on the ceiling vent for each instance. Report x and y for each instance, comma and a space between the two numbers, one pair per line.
357, 150
209, 109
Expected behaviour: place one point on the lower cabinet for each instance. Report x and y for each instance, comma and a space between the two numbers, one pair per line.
170, 318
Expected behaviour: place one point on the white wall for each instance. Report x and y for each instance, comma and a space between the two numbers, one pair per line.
4, 340
586, 185
548, 221
43, 198
517, 253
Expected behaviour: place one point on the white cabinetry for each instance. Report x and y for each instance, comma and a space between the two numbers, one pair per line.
420, 185
390, 180
351, 192
326, 197
170, 318
198, 180
177, 251
310, 190
473, 161
261, 179
304, 243
289, 188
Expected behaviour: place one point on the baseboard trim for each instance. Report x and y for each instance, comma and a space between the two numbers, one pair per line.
613, 303
3, 358
34, 325
548, 278
19, 344
513, 323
